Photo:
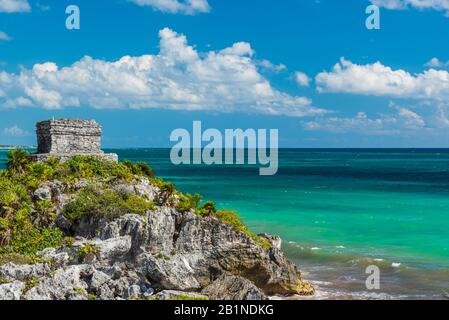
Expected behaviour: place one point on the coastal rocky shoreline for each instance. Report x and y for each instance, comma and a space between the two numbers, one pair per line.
162, 254
76, 224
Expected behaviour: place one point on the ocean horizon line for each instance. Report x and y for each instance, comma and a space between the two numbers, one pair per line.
281, 148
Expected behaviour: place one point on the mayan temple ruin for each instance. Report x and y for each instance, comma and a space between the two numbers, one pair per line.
65, 138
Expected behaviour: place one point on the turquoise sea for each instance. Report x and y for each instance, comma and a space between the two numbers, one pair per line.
338, 211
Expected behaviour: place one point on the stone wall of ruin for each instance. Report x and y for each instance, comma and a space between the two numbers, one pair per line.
69, 136
64, 138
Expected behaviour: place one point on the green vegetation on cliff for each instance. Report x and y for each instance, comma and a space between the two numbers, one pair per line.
27, 223
108, 204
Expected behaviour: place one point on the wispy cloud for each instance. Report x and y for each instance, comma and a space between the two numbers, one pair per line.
4, 36
268, 65
401, 121
43, 7
13, 6
439, 5
15, 131
189, 7
437, 63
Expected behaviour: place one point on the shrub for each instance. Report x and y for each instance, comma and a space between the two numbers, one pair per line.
188, 202
79, 291
161, 256
28, 239
107, 204
89, 167
13, 197
146, 169
39, 172
87, 250
68, 242
207, 209
44, 213
17, 160
5, 281
166, 191
140, 168
91, 296
30, 283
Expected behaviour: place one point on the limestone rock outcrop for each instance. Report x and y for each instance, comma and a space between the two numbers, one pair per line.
153, 256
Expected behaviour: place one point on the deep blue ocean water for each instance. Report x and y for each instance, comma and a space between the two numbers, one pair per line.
339, 210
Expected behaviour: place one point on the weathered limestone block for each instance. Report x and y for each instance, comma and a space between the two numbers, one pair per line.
64, 138
230, 287
68, 136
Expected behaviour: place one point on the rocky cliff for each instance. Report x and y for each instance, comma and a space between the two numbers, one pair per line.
165, 251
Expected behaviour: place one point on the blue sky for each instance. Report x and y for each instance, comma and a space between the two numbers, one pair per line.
309, 68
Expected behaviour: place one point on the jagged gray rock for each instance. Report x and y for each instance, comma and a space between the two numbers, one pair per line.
70, 283
134, 292
43, 193
12, 290
230, 287
146, 256
24, 272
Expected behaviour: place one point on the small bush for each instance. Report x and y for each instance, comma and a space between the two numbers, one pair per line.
28, 239
161, 256
87, 250
68, 242
207, 209
31, 283
165, 194
107, 204
140, 168
88, 167
17, 160
188, 202
79, 291
37, 173
5, 281
44, 214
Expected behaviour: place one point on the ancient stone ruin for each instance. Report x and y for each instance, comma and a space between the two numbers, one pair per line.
65, 138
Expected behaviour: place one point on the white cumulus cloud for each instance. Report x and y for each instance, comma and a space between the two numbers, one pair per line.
189, 7
12, 6
439, 5
380, 80
177, 78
